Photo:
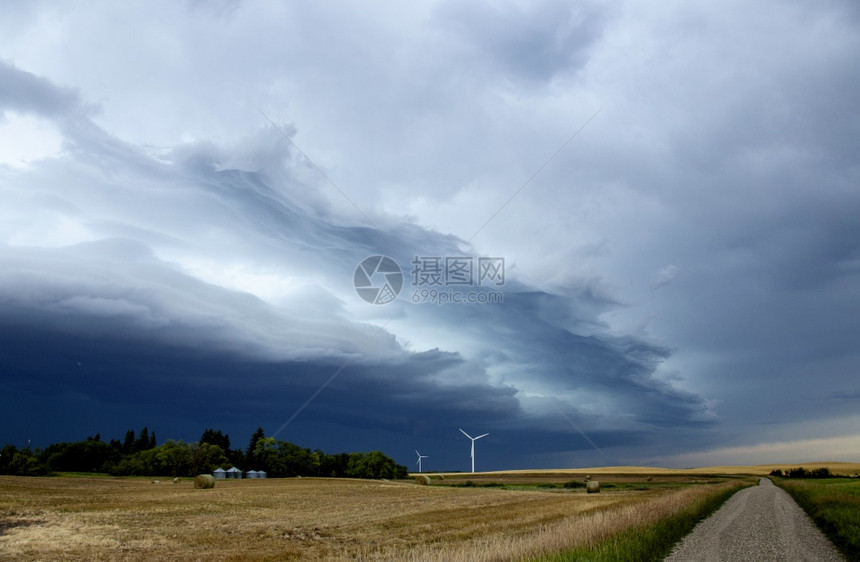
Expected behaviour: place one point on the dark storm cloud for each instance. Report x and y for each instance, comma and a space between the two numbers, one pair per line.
615, 373
204, 381
120, 318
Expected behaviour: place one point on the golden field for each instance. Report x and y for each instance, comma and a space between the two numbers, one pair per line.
87, 518
277, 519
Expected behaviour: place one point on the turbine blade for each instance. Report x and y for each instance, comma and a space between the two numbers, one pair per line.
464, 433
479, 436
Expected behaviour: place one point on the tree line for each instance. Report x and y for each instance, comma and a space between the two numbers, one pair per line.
140, 455
800, 472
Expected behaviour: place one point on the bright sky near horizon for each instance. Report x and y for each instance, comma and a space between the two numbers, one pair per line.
658, 206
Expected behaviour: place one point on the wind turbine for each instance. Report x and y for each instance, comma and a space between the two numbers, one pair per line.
473, 446
420, 456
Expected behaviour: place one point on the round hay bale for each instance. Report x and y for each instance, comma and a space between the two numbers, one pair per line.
441, 477
422, 480
593, 487
649, 479
204, 481
176, 480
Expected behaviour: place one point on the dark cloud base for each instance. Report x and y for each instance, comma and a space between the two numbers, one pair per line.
60, 386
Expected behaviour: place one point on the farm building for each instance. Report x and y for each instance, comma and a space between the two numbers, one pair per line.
255, 474
234, 473
219, 473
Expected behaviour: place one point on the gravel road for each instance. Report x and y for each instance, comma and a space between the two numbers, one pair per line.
758, 524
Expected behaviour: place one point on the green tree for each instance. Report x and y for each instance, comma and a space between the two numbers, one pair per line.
7, 453
81, 456
374, 465
266, 456
316, 462
252, 447
237, 458
174, 457
21, 462
334, 465
205, 457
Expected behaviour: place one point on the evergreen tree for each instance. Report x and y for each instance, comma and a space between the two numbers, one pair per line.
128, 442
142, 442
214, 437
251, 454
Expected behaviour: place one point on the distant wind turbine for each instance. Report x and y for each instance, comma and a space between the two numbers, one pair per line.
473, 446
420, 456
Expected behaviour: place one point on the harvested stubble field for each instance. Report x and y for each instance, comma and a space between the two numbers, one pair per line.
317, 518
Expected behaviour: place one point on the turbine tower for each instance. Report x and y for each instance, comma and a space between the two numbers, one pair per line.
473, 446
420, 456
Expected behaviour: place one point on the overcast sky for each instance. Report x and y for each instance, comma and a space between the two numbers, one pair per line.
188, 188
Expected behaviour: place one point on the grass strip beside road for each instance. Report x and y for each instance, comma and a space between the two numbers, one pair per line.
834, 505
659, 530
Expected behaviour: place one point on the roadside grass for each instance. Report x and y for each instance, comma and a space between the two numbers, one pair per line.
834, 505
654, 537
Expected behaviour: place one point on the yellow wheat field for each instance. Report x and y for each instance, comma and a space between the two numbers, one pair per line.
308, 519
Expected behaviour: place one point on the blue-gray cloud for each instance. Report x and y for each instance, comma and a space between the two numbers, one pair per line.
25, 92
683, 275
531, 42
